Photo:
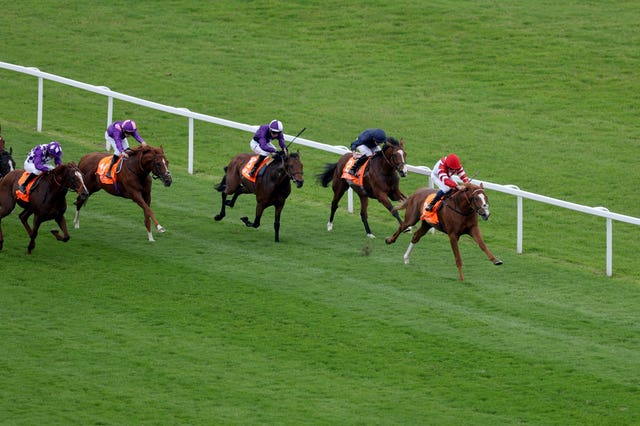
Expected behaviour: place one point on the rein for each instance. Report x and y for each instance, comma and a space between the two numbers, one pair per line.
468, 199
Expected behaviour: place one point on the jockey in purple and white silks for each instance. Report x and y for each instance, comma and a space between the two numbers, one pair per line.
116, 137
261, 142
39, 161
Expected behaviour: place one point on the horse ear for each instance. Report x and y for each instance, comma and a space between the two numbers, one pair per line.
481, 185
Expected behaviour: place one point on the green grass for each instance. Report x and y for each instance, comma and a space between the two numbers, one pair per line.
215, 323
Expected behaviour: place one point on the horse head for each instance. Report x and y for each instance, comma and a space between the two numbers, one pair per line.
70, 176
293, 168
6, 160
394, 154
154, 159
477, 199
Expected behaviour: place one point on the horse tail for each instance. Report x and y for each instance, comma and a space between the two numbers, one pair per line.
327, 175
223, 183
401, 206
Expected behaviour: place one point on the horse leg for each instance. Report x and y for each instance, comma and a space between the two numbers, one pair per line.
276, 221
410, 219
364, 204
34, 232
339, 188
256, 222
6, 207
477, 237
414, 240
222, 213
24, 218
453, 239
62, 223
144, 202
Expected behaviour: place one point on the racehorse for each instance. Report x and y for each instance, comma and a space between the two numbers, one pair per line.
47, 199
133, 180
272, 186
380, 181
6, 160
457, 215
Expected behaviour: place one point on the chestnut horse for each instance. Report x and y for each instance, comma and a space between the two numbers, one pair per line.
380, 181
457, 215
6, 160
47, 200
272, 186
133, 181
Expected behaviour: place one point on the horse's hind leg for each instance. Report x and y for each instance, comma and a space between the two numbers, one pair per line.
33, 234
276, 221
414, 240
222, 213
339, 189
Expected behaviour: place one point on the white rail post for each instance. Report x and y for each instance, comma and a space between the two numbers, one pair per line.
350, 200
40, 102
609, 242
190, 143
519, 220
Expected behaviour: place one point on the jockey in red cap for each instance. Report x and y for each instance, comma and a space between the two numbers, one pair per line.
441, 175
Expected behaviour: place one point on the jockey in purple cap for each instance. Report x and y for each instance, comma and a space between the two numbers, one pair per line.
367, 145
116, 137
39, 161
261, 142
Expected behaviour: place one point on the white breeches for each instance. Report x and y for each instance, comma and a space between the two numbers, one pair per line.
31, 168
111, 143
365, 150
440, 184
255, 147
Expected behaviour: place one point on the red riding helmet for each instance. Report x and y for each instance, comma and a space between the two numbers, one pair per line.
452, 161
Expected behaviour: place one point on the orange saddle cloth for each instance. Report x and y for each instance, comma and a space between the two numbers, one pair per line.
357, 179
430, 217
249, 166
103, 166
24, 196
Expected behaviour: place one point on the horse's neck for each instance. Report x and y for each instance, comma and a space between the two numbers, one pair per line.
461, 202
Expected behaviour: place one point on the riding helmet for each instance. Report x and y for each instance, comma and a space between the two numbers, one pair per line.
54, 148
129, 126
452, 161
276, 126
379, 135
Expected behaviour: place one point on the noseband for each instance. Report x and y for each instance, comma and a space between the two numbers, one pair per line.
469, 201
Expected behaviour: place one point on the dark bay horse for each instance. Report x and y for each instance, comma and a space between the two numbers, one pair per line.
380, 181
272, 186
457, 215
133, 181
6, 157
47, 200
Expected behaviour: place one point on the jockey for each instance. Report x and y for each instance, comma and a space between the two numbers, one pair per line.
367, 144
441, 175
116, 137
261, 142
39, 161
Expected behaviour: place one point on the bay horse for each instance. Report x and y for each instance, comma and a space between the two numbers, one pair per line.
47, 200
380, 181
133, 181
6, 157
272, 186
457, 215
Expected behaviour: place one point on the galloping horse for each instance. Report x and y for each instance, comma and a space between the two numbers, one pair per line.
271, 187
457, 215
6, 160
380, 181
133, 181
47, 199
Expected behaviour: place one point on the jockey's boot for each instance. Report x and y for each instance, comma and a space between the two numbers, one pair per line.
433, 202
23, 188
257, 164
356, 165
113, 161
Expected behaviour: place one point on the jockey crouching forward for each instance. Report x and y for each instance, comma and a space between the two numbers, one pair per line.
367, 145
261, 142
441, 175
39, 161
116, 137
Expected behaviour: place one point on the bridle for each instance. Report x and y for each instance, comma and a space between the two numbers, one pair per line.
397, 166
470, 201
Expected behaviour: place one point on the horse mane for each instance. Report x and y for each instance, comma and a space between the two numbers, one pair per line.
393, 141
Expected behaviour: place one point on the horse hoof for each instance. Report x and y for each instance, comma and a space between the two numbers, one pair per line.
161, 229
329, 226
497, 262
388, 240
371, 236
406, 260
218, 217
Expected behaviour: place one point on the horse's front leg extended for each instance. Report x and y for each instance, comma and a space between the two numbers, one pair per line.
148, 215
276, 221
477, 237
62, 223
364, 216
24, 218
33, 234
256, 222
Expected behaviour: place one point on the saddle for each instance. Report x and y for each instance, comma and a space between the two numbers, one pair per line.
431, 217
24, 196
249, 166
103, 166
358, 178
